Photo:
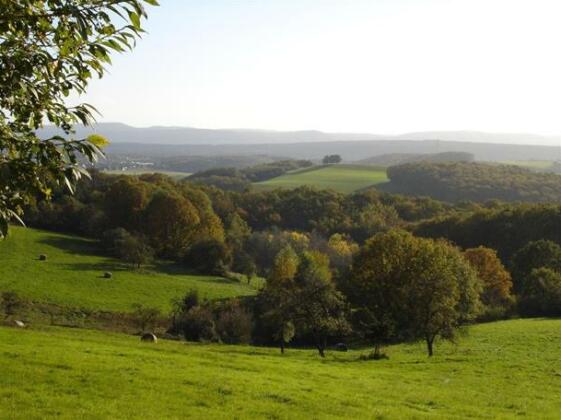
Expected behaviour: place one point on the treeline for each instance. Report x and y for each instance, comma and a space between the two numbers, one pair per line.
179, 162
240, 179
212, 230
461, 181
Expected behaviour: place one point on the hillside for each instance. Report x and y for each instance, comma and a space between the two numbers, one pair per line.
399, 158
73, 275
341, 178
471, 181
500, 370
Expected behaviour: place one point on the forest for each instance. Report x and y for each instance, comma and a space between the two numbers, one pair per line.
470, 181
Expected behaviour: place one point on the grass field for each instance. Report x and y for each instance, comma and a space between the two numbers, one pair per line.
341, 178
73, 275
500, 370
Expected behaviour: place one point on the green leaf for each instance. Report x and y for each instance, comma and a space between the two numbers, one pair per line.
135, 19
98, 140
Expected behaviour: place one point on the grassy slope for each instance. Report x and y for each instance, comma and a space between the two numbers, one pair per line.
503, 369
342, 178
72, 275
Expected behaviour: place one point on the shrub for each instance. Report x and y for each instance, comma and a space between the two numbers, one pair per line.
146, 318
234, 324
11, 303
198, 325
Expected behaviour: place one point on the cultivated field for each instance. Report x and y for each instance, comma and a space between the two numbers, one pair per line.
73, 275
341, 178
500, 370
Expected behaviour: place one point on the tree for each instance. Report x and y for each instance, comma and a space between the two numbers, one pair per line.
170, 222
48, 50
408, 287
328, 159
318, 306
496, 280
279, 296
209, 256
134, 250
124, 202
535, 254
541, 295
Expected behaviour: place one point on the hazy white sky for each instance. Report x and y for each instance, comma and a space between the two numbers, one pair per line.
383, 66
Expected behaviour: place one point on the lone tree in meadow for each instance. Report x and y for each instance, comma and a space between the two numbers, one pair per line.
48, 51
403, 287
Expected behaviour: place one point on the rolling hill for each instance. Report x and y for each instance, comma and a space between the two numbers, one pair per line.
73, 275
500, 370
341, 178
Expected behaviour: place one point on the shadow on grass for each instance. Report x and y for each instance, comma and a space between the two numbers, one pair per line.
75, 246
101, 266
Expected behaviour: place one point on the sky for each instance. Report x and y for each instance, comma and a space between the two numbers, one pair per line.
377, 66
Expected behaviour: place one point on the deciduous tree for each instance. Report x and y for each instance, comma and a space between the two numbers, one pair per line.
49, 50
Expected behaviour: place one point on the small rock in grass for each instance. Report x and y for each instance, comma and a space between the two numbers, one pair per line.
107, 275
149, 338
42, 257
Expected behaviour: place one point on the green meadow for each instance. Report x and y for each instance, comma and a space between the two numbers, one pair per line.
341, 178
73, 275
504, 369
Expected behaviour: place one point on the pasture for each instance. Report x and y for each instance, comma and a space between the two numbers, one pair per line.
73, 275
341, 178
499, 370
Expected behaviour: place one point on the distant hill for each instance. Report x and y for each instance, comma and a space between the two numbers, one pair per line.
122, 133
351, 151
185, 141
399, 158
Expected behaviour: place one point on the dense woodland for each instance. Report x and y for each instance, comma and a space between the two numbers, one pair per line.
336, 266
461, 181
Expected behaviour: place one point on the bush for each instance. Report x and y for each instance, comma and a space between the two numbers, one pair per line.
198, 325
234, 324
11, 304
146, 318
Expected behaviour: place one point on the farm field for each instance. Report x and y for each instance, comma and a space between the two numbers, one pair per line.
499, 370
73, 275
341, 178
